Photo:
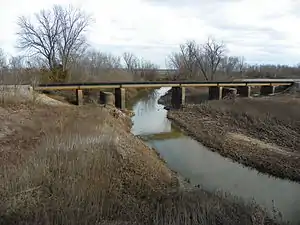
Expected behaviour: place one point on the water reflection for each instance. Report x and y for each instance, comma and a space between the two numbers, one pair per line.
209, 169
150, 117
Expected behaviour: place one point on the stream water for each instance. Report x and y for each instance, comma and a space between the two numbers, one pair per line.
208, 169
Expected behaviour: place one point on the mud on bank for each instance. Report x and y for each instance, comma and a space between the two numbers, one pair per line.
262, 133
81, 165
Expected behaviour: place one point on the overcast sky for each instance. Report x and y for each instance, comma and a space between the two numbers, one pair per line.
263, 31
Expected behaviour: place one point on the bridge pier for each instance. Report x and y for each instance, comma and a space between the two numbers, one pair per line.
106, 98
267, 90
244, 91
79, 97
215, 93
228, 91
120, 98
178, 97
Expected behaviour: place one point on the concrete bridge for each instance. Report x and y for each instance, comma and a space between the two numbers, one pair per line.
217, 90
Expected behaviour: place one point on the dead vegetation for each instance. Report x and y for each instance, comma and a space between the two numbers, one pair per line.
262, 133
80, 165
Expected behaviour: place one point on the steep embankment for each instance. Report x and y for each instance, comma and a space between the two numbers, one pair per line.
262, 133
62, 158
62, 164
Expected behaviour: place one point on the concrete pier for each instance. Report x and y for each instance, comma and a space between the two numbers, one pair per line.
267, 90
215, 93
229, 92
244, 91
178, 97
79, 97
120, 98
107, 98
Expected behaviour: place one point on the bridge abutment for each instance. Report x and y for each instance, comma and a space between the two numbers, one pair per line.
120, 98
267, 90
244, 91
79, 97
178, 97
215, 93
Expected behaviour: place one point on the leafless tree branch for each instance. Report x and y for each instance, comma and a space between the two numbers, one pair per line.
57, 36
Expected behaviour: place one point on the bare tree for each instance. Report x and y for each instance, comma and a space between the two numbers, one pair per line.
229, 64
148, 70
3, 65
242, 65
94, 65
101, 60
189, 65
131, 62
175, 61
208, 57
3, 60
184, 61
16, 62
57, 34
71, 39
194, 60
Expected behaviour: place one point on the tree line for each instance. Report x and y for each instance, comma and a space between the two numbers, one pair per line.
55, 43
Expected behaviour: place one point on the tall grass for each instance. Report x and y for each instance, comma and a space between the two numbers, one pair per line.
78, 173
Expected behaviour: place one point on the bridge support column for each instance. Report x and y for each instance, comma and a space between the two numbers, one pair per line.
267, 90
228, 92
215, 93
120, 98
178, 97
244, 91
79, 97
106, 98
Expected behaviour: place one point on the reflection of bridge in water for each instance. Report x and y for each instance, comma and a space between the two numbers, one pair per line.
217, 90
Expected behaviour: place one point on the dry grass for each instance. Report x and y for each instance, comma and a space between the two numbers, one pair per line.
274, 124
34, 77
80, 165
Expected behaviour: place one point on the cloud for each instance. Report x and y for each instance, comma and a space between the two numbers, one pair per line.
262, 31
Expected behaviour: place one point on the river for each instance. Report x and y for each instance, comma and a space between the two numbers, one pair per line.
208, 169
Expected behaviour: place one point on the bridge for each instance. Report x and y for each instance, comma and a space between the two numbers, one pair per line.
217, 90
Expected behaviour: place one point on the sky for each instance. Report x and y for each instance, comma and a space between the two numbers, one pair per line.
263, 31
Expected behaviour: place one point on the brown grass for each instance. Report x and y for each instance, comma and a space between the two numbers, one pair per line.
80, 165
263, 133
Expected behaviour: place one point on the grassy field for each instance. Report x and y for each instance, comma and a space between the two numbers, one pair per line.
262, 133
62, 164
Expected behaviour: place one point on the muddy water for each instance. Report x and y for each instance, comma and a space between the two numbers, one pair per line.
208, 169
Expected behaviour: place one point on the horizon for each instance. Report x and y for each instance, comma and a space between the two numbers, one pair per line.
147, 28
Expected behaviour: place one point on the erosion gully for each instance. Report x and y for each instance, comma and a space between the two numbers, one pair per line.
208, 169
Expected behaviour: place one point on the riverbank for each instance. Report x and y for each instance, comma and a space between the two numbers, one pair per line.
62, 164
262, 133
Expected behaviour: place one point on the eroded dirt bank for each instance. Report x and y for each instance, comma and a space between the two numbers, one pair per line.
62, 164
263, 133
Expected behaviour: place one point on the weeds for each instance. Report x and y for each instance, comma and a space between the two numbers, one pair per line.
275, 122
84, 168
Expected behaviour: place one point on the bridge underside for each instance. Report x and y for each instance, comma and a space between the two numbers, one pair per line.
177, 95
217, 90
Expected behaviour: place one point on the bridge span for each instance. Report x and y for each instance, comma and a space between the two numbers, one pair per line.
217, 89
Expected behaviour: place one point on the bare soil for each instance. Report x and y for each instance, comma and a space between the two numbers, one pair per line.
62, 164
263, 133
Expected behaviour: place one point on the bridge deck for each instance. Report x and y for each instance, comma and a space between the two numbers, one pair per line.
157, 84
